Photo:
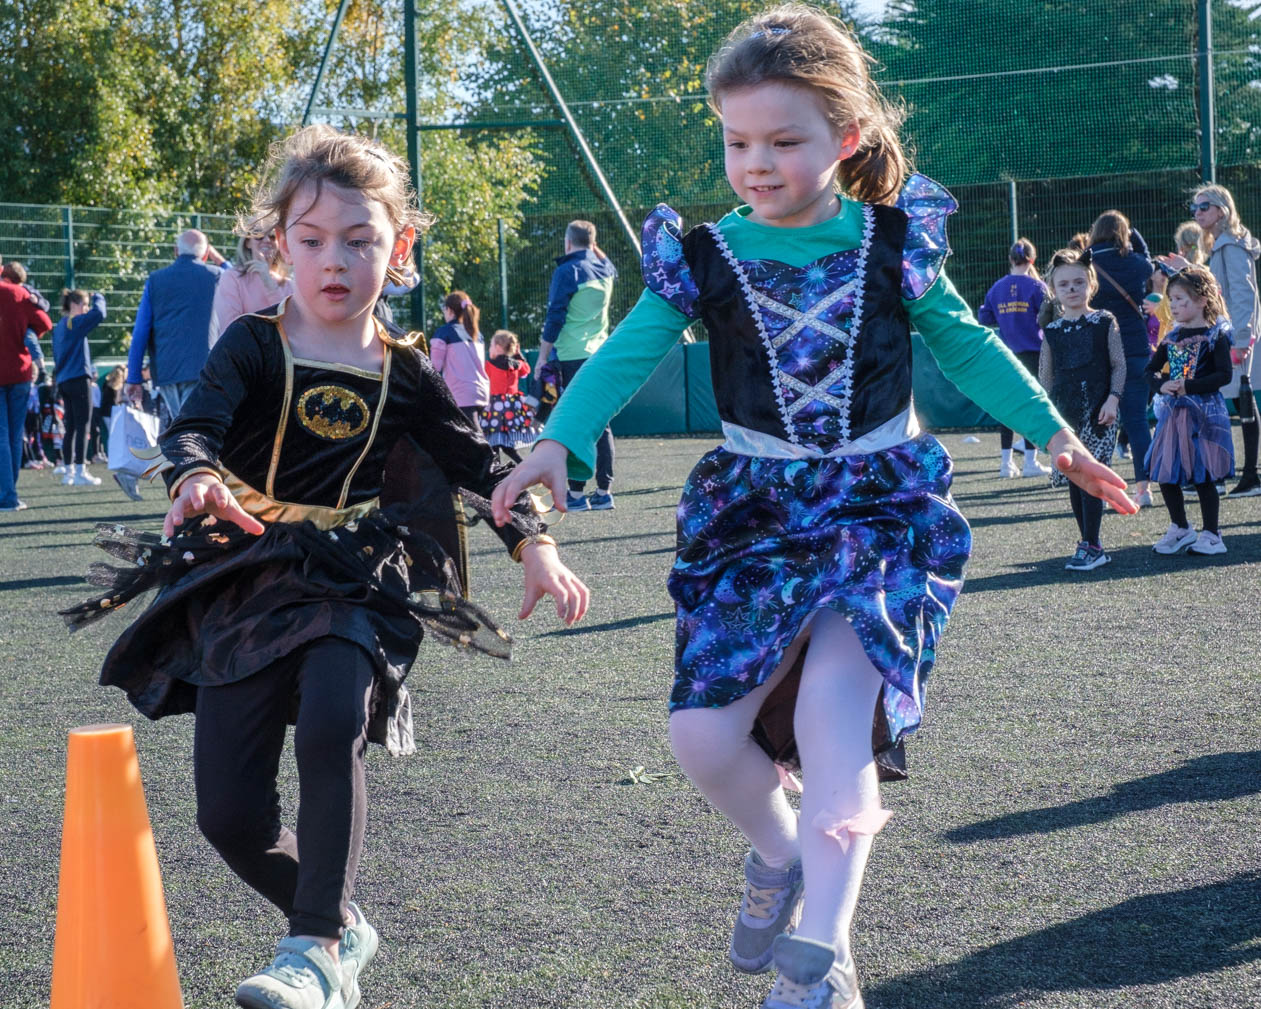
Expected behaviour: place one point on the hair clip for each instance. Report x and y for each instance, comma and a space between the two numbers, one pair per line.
772, 30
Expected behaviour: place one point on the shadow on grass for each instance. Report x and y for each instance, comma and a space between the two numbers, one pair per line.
1153, 939
616, 625
73, 523
1022, 518
1127, 562
1218, 776
40, 583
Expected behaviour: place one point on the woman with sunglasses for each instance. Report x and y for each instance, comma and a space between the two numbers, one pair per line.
1232, 255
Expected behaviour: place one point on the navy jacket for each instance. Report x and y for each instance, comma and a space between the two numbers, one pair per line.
175, 322
72, 357
1133, 272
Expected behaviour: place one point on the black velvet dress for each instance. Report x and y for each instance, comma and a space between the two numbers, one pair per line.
365, 482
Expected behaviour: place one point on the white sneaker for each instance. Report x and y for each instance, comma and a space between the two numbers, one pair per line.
59, 469
68, 479
1175, 539
1035, 468
1208, 543
85, 479
302, 976
1008, 470
1143, 500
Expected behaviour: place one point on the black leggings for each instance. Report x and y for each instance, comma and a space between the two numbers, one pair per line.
238, 738
509, 451
78, 400
1246, 407
1088, 511
1028, 358
1210, 504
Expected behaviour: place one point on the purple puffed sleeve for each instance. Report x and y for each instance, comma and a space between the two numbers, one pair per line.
927, 205
666, 272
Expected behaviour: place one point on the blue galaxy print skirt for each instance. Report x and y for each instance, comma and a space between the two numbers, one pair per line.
1192, 443
763, 543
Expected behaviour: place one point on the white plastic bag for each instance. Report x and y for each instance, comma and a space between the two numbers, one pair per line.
129, 429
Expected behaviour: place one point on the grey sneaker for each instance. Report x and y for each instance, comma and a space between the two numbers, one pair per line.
810, 978
302, 976
772, 905
358, 947
127, 482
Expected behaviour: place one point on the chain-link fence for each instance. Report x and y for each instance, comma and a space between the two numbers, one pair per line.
1085, 109
113, 251
110, 251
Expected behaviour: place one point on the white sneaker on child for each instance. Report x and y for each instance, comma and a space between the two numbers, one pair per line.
82, 478
302, 976
1208, 543
1176, 538
1008, 470
1035, 468
358, 947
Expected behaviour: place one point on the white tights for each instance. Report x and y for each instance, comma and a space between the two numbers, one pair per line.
835, 704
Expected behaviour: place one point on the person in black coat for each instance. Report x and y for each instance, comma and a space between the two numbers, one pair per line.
1124, 268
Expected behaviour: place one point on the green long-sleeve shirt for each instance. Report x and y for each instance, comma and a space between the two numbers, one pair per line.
969, 354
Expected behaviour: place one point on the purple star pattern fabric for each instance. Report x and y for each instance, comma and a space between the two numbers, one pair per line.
927, 205
763, 543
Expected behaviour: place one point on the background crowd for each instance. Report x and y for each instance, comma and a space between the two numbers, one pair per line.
58, 414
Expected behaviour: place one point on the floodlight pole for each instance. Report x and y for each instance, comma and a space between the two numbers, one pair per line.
413, 154
328, 51
1208, 122
575, 132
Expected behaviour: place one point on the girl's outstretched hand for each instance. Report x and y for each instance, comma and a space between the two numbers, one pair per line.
546, 465
546, 575
1075, 462
206, 494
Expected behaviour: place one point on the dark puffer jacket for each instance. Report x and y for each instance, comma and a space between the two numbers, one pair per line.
1132, 271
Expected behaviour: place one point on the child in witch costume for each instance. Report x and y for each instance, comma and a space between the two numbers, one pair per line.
819, 552
315, 474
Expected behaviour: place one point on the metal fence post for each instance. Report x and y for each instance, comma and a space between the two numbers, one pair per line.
1208, 123
1011, 207
503, 277
67, 222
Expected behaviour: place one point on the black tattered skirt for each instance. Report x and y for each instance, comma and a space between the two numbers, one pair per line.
229, 604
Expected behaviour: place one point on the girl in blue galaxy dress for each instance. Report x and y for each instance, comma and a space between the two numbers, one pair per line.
819, 552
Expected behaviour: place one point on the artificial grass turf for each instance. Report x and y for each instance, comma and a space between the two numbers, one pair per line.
1079, 829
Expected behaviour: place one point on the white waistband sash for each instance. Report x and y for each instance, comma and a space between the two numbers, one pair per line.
895, 431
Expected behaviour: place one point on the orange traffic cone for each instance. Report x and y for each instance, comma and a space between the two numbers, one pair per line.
113, 948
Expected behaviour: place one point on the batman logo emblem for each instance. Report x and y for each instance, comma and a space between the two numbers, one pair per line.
332, 412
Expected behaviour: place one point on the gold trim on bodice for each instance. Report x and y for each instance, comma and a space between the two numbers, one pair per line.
267, 509
287, 403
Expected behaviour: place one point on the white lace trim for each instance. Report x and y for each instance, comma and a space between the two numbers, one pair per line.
856, 322
750, 300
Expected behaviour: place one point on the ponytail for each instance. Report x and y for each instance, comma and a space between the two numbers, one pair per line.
874, 173
1024, 253
466, 313
73, 297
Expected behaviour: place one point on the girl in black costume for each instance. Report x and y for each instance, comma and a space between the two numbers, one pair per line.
1082, 363
316, 476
